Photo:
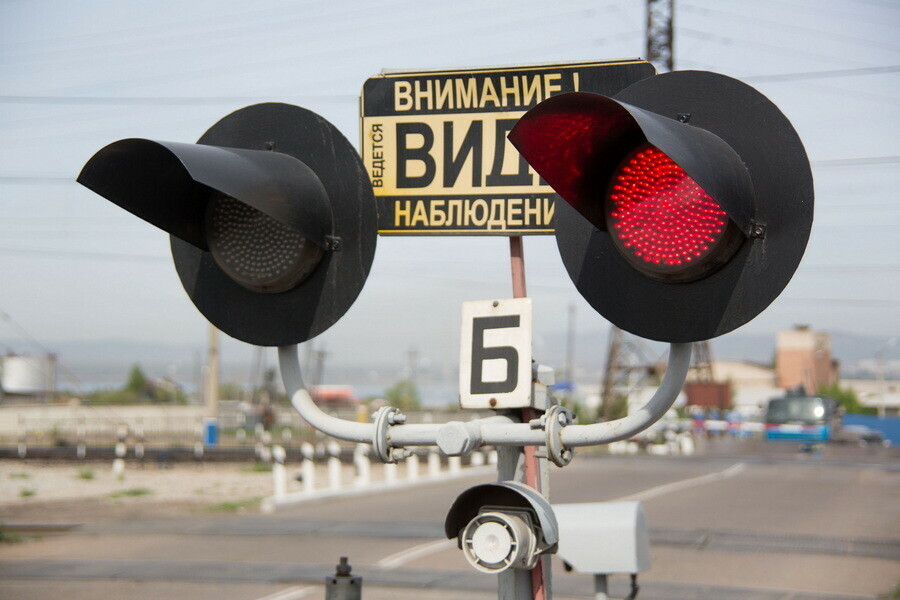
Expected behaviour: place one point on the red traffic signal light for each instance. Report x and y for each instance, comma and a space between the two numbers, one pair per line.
663, 222
271, 217
689, 200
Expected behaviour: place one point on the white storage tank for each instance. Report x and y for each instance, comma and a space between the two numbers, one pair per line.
29, 375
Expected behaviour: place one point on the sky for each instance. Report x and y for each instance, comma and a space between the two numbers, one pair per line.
75, 76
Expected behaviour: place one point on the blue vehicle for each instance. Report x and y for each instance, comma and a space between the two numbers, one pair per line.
810, 419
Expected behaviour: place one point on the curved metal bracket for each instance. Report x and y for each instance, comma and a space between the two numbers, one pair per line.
384, 418
555, 419
389, 433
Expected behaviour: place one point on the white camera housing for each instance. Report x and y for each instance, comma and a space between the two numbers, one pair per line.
603, 537
500, 526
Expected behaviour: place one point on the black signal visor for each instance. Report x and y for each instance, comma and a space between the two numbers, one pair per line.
577, 141
688, 200
168, 184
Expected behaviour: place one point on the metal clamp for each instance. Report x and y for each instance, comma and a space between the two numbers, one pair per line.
555, 419
384, 418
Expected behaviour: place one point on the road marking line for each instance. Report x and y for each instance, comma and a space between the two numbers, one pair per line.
682, 484
404, 556
291, 593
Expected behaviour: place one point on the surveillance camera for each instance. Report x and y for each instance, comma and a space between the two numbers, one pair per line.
500, 526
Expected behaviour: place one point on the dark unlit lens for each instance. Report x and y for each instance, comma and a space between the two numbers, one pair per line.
255, 250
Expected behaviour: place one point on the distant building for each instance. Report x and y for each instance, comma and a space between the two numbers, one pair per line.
27, 378
883, 396
752, 385
334, 396
803, 358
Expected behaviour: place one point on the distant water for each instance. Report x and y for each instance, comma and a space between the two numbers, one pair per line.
434, 395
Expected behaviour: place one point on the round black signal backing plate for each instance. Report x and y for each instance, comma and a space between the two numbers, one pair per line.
326, 295
783, 194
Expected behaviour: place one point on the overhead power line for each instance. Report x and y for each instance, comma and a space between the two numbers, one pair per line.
36, 179
836, 162
824, 74
855, 162
77, 254
164, 100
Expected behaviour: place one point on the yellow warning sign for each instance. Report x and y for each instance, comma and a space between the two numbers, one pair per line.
435, 145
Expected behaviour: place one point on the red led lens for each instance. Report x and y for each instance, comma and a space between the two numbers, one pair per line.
663, 222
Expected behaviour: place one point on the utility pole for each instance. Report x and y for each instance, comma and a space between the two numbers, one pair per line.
211, 395
660, 34
882, 390
413, 357
319, 371
570, 348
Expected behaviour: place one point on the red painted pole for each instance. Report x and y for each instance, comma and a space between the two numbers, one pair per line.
532, 465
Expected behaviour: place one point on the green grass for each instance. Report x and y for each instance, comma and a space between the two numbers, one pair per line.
27, 493
258, 467
19, 476
236, 505
8, 538
85, 473
896, 593
132, 492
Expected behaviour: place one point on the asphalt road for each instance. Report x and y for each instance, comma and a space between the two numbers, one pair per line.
783, 526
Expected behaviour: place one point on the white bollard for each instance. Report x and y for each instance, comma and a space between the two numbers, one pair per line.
81, 449
362, 464
434, 463
139, 445
455, 465
264, 452
334, 466
279, 472
118, 466
477, 459
632, 448
390, 473
658, 449
240, 434
22, 449
308, 468
687, 445
412, 467
198, 450
492, 457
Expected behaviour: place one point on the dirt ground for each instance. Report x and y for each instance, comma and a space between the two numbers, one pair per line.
90, 491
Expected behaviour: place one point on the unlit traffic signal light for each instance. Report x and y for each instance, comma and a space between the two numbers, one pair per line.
271, 216
689, 200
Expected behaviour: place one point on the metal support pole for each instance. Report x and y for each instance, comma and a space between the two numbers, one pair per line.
601, 586
534, 470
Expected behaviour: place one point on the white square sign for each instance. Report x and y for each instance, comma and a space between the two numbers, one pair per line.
495, 354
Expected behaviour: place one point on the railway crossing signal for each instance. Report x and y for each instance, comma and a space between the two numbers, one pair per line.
271, 217
689, 200
688, 205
